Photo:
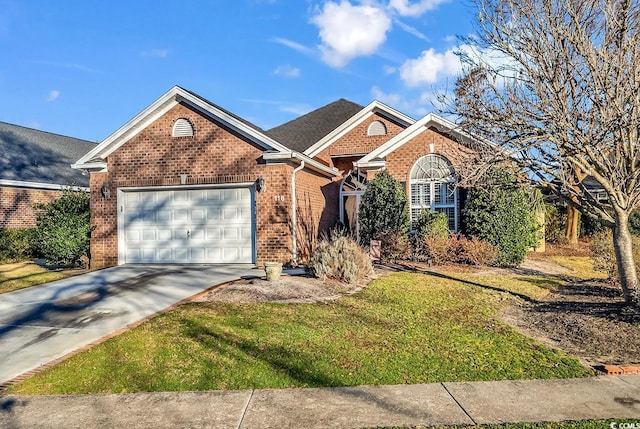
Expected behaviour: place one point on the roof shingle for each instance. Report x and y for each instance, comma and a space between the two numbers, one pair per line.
301, 133
29, 155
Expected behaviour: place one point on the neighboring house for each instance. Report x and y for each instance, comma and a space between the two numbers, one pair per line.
34, 168
186, 181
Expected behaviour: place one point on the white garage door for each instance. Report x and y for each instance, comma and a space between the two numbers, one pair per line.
187, 226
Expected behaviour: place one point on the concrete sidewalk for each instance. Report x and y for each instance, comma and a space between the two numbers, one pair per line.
606, 397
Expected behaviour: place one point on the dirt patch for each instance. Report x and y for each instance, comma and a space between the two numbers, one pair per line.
587, 319
289, 289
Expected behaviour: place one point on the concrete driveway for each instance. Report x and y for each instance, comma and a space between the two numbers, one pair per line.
45, 322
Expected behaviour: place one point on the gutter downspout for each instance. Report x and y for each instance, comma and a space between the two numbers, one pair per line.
294, 214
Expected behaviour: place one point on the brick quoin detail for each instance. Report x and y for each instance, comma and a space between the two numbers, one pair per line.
16, 206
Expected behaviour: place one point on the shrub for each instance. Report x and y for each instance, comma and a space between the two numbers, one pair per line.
435, 248
340, 259
554, 224
634, 222
502, 215
472, 251
432, 223
63, 229
393, 245
383, 207
457, 249
604, 257
16, 244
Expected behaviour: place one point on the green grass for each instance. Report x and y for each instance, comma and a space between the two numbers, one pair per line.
21, 275
403, 328
534, 287
581, 266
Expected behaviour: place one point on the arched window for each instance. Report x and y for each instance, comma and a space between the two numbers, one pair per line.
433, 187
182, 128
377, 128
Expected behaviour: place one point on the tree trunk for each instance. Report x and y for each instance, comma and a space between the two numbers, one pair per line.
623, 248
571, 227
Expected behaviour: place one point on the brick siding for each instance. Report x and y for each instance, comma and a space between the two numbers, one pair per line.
358, 142
214, 155
16, 205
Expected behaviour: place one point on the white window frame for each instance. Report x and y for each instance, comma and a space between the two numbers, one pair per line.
433, 182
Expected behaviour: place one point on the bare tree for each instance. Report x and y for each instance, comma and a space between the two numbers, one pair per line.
556, 83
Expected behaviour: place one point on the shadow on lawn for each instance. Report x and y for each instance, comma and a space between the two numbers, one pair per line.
611, 305
296, 364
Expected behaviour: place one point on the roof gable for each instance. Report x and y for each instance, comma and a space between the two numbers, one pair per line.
96, 158
34, 156
300, 133
430, 120
375, 107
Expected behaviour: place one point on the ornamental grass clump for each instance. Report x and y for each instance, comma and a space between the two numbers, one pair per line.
342, 259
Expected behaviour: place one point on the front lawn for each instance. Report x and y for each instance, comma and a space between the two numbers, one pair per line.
403, 328
21, 275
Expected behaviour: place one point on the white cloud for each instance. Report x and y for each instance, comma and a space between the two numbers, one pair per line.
75, 66
411, 30
413, 104
409, 8
53, 95
296, 109
389, 69
348, 31
430, 67
156, 53
293, 45
287, 71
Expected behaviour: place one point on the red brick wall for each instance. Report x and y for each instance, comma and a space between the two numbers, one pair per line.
400, 161
317, 210
16, 206
357, 141
213, 155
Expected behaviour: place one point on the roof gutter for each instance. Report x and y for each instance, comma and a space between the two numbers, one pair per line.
40, 185
309, 163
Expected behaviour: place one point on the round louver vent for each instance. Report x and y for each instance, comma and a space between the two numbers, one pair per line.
377, 128
182, 128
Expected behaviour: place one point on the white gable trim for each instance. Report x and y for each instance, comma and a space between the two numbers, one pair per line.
375, 157
158, 108
373, 108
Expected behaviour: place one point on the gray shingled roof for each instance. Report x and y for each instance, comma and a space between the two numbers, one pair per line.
29, 155
301, 133
244, 121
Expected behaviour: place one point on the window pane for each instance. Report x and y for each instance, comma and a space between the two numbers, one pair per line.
450, 189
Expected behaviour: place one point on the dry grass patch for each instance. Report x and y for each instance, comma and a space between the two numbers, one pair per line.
21, 275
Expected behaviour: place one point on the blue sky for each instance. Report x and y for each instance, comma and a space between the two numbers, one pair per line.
84, 68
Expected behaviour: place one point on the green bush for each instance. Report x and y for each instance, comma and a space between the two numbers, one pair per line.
502, 215
634, 223
340, 258
16, 244
432, 223
553, 224
383, 207
63, 228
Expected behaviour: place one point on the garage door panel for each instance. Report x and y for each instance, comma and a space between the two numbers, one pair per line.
183, 226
